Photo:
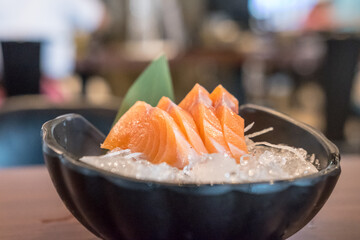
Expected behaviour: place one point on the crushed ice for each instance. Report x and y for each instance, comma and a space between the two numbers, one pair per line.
265, 162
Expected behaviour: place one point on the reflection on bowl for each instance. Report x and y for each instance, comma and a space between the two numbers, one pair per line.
116, 207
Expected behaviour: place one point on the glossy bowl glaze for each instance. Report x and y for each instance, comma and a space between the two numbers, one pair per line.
116, 207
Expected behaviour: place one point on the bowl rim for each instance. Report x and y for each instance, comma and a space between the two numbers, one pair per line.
52, 147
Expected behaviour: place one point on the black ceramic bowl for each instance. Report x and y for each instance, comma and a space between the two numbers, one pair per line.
116, 207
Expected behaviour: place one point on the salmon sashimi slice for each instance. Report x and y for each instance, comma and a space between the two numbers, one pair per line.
198, 103
119, 135
185, 122
220, 96
153, 132
233, 128
174, 149
196, 94
209, 128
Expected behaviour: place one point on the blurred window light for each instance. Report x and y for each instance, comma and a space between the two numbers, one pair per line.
347, 14
280, 15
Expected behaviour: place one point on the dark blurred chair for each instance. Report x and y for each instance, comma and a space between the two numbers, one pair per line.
21, 67
20, 140
338, 74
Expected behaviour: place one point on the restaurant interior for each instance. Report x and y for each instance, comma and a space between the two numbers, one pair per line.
280, 54
298, 57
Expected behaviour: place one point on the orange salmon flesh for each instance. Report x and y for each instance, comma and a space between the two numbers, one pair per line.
202, 123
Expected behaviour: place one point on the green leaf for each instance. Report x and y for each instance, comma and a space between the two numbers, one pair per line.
149, 87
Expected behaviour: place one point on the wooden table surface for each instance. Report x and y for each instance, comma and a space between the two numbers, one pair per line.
31, 209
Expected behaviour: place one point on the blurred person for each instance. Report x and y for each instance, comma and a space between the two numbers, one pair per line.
37, 42
339, 21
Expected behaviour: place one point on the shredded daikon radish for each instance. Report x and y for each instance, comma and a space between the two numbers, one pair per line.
255, 134
248, 127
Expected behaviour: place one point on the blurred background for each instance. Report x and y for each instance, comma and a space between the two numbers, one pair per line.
299, 57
